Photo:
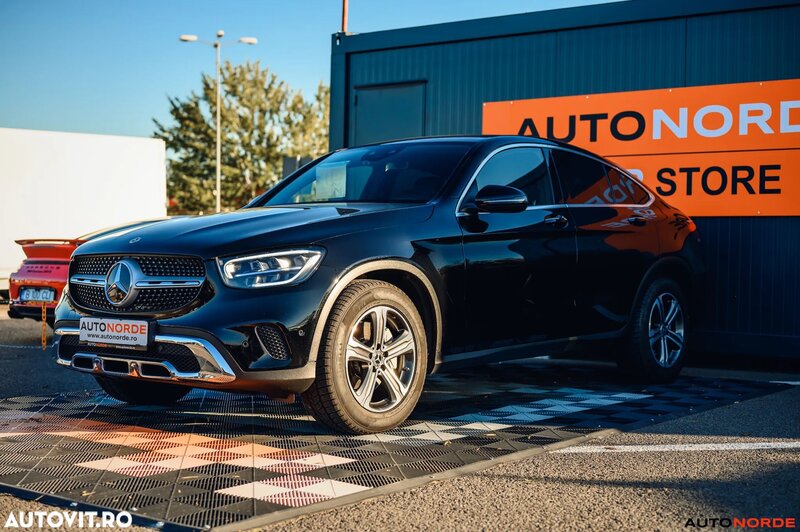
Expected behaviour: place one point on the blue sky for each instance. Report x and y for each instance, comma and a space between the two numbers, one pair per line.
107, 66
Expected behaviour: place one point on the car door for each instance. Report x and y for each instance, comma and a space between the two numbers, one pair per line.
519, 267
616, 237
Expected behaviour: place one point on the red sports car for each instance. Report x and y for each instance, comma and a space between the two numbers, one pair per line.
41, 278
43, 274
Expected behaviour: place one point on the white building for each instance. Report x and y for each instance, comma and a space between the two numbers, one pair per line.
63, 185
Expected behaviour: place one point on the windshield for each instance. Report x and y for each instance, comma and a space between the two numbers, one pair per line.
389, 173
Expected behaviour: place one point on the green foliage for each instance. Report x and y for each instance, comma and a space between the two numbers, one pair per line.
263, 120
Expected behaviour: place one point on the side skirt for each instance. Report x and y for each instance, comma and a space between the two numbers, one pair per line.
528, 350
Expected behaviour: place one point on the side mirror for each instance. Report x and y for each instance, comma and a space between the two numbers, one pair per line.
499, 198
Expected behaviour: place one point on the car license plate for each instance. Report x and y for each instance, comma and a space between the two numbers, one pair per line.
102, 331
42, 295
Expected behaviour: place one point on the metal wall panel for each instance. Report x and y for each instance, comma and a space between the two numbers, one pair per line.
401, 107
746, 46
645, 55
753, 284
461, 76
751, 293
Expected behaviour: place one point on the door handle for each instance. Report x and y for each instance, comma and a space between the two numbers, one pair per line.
637, 220
556, 220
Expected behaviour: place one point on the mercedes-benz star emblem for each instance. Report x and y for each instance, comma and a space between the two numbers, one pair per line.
120, 285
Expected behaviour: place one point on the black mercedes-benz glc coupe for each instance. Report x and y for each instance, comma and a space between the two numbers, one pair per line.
367, 269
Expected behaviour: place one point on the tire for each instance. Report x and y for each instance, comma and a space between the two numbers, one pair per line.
369, 387
141, 392
646, 360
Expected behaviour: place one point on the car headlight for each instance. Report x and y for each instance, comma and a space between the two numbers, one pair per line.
270, 269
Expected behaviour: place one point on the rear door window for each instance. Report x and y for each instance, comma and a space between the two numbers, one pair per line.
624, 190
582, 178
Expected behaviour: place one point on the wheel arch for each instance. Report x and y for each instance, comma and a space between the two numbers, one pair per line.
674, 268
408, 277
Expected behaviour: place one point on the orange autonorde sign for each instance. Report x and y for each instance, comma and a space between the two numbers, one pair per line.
719, 150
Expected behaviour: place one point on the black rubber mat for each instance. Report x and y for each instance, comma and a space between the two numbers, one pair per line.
216, 459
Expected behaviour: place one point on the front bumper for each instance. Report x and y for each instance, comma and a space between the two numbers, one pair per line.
215, 367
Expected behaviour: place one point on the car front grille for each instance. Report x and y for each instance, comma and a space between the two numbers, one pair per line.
179, 356
166, 273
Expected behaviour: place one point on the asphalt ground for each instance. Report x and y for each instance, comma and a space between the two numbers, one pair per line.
25, 369
739, 460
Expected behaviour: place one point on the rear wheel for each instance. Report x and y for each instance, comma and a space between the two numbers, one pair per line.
141, 392
372, 360
656, 349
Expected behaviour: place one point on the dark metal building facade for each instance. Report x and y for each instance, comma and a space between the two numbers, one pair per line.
434, 80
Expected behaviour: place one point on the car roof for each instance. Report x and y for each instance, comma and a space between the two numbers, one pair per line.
492, 140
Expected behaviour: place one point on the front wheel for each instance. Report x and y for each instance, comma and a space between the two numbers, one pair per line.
372, 360
656, 349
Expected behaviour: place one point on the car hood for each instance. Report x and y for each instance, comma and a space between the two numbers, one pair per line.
255, 229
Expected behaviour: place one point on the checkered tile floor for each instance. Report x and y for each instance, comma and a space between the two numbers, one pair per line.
217, 458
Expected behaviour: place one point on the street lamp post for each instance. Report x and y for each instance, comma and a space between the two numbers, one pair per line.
217, 47
217, 44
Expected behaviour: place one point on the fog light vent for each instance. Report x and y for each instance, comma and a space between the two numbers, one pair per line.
272, 342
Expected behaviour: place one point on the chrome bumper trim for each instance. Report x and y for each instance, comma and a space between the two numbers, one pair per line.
213, 366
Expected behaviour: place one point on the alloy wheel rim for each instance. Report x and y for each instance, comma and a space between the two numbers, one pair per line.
380, 359
666, 330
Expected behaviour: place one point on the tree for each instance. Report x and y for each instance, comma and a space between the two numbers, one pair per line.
263, 120
307, 124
